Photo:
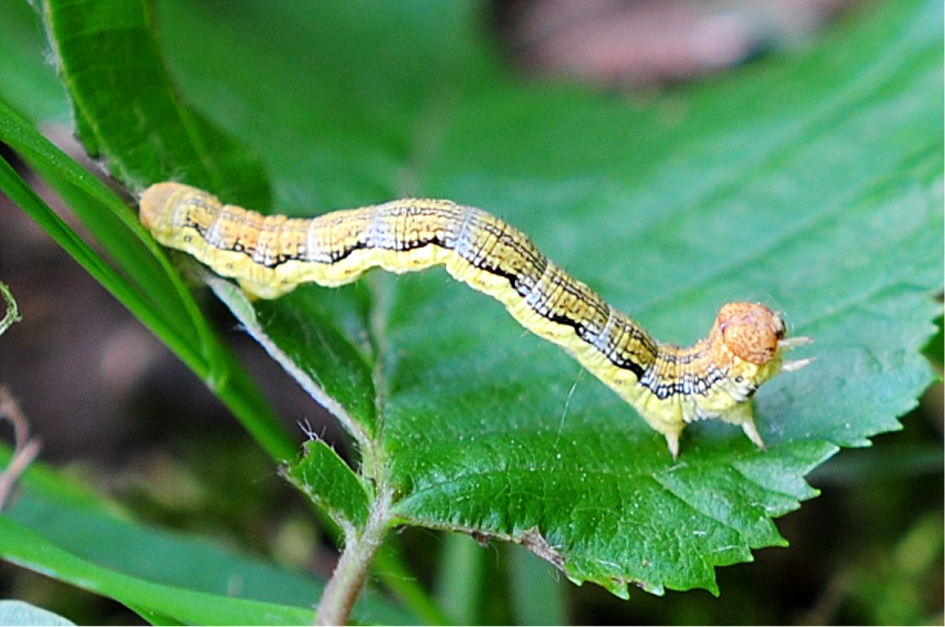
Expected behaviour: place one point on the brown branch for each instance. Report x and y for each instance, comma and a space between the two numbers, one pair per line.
25, 448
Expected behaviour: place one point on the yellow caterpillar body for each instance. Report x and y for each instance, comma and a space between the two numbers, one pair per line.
669, 386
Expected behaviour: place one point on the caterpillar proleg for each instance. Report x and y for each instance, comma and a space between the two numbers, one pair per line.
669, 386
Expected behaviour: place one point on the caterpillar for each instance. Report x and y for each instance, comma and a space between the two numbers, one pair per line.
669, 386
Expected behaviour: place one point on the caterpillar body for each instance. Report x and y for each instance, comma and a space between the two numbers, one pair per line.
668, 385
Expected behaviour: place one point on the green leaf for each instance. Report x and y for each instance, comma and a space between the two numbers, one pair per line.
29, 80
105, 43
56, 526
329, 482
812, 183
27, 548
146, 284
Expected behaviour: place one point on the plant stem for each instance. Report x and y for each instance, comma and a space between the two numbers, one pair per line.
348, 579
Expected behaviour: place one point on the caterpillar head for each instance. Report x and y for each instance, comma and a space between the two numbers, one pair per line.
747, 342
754, 335
751, 331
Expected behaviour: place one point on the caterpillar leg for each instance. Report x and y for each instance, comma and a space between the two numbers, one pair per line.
752, 432
743, 415
672, 442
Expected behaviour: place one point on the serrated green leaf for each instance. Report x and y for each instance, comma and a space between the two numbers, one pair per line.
810, 186
811, 183
329, 482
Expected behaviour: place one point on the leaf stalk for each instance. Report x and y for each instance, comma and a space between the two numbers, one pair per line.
349, 575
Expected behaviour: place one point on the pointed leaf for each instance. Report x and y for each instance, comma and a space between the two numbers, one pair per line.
330, 483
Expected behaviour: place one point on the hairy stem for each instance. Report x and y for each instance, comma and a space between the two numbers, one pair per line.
348, 579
